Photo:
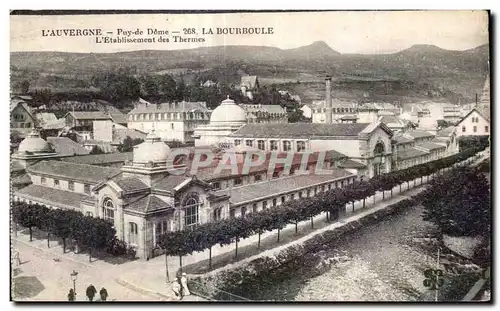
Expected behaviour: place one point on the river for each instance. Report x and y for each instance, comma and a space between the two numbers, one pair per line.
380, 262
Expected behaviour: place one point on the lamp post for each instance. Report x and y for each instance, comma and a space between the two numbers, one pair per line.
74, 275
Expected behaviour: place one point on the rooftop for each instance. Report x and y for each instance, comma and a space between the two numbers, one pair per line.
430, 146
50, 196
73, 171
300, 130
418, 134
352, 164
261, 190
66, 147
100, 159
410, 153
147, 204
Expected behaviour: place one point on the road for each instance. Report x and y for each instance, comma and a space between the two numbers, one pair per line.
53, 272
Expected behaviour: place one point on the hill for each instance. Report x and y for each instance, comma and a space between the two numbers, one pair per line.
459, 72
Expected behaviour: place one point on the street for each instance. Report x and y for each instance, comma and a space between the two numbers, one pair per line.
53, 272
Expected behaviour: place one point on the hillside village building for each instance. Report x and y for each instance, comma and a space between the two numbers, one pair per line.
475, 123
248, 85
170, 121
257, 113
22, 119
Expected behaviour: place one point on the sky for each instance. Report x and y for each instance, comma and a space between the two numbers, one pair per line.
369, 32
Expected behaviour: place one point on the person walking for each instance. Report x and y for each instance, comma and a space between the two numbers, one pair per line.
90, 292
176, 288
71, 295
104, 294
185, 289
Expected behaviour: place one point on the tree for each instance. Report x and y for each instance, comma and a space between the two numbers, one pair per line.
167, 87
128, 144
180, 90
91, 292
96, 150
24, 87
459, 203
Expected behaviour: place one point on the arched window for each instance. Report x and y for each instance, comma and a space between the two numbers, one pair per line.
108, 210
191, 211
132, 233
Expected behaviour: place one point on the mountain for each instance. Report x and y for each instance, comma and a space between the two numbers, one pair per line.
461, 72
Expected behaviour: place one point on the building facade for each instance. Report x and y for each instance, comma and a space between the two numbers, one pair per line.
170, 121
474, 124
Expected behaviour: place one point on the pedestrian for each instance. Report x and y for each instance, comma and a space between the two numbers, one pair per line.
90, 292
104, 294
185, 289
71, 295
17, 260
176, 288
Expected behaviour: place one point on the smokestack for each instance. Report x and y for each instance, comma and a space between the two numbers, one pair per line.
328, 100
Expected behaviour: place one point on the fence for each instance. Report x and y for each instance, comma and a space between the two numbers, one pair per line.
212, 293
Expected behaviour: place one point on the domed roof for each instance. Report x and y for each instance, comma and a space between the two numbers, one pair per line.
228, 112
35, 144
152, 150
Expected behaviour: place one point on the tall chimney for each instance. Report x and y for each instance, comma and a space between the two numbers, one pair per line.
328, 100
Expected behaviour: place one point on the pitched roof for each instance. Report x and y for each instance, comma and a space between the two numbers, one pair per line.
66, 147
147, 204
429, 146
261, 190
16, 166
400, 139
90, 115
51, 196
23, 179
209, 173
100, 159
73, 171
352, 164
130, 183
15, 103
169, 182
119, 118
410, 153
249, 81
46, 117
485, 113
170, 107
336, 103
300, 130
418, 134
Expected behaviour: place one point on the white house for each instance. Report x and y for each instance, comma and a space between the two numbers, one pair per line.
475, 123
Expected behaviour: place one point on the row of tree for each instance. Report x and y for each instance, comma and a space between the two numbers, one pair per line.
86, 231
333, 202
459, 203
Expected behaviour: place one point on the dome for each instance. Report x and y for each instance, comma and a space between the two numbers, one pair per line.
35, 144
228, 112
152, 150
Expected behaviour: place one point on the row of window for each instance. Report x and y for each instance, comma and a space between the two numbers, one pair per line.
474, 128
273, 144
256, 178
337, 110
475, 120
22, 125
168, 116
217, 213
71, 185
